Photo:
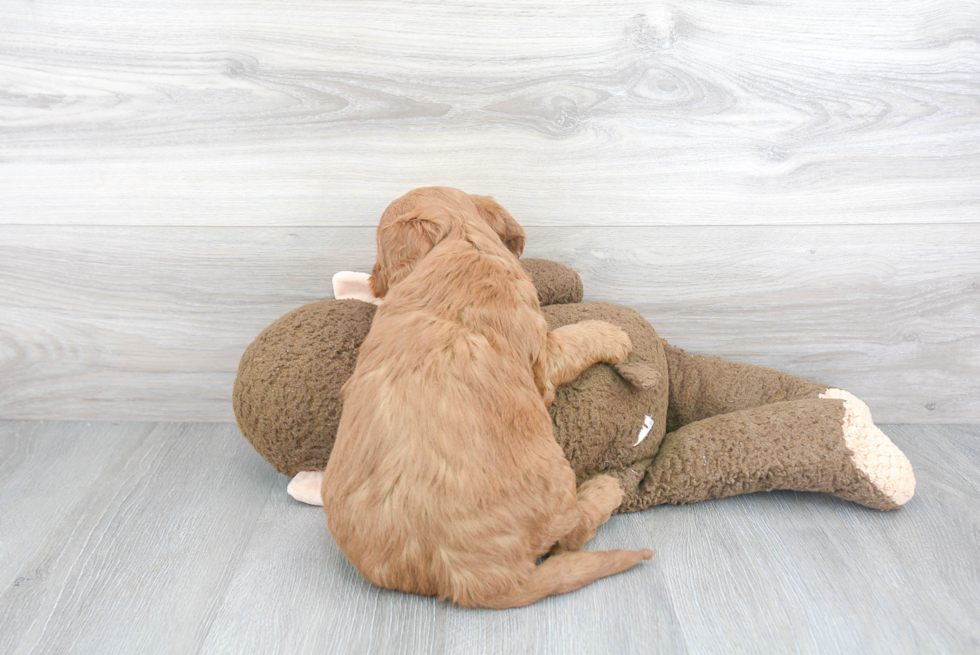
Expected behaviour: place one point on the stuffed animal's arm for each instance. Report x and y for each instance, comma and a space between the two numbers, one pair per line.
305, 487
556, 283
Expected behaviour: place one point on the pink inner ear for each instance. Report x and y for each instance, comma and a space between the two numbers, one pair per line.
352, 285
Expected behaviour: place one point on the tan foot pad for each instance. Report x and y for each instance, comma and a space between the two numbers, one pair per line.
305, 487
887, 467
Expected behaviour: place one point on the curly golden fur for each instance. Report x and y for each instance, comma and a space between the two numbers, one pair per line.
445, 478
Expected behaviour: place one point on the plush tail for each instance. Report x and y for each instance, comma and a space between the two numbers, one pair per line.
562, 573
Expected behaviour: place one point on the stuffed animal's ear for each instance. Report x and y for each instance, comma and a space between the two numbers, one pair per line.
501, 222
402, 243
639, 374
357, 286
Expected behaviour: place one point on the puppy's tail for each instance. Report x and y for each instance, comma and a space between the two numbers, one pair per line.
562, 573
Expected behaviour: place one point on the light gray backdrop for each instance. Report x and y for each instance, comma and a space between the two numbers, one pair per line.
790, 184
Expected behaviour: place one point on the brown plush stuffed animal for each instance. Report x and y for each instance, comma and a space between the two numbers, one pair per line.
673, 428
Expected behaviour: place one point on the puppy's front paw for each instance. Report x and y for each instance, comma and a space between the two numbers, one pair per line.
615, 343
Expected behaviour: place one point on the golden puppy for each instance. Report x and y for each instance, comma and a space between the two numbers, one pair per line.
445, 478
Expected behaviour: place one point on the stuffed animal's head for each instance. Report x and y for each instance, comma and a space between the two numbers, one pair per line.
288, 401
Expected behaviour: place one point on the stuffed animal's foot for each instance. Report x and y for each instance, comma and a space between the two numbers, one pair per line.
886, 468
827, 444
305, 487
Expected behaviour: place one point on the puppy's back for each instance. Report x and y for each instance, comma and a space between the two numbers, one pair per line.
435, 457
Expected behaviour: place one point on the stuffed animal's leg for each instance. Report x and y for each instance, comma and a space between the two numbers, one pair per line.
598, 498
305, 487
574, 348
701, 387
826, 444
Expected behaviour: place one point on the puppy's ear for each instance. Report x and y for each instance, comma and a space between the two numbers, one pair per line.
501, 222
378, 282
402, 243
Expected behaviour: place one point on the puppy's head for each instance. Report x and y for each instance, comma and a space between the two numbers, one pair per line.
412, 226
403, 241
501, 222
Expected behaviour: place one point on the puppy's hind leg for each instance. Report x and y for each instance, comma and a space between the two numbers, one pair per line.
597, 499
567, 567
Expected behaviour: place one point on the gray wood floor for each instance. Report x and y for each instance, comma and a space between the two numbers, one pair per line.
176, 537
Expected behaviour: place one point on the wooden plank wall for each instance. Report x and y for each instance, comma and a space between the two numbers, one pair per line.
791, 184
